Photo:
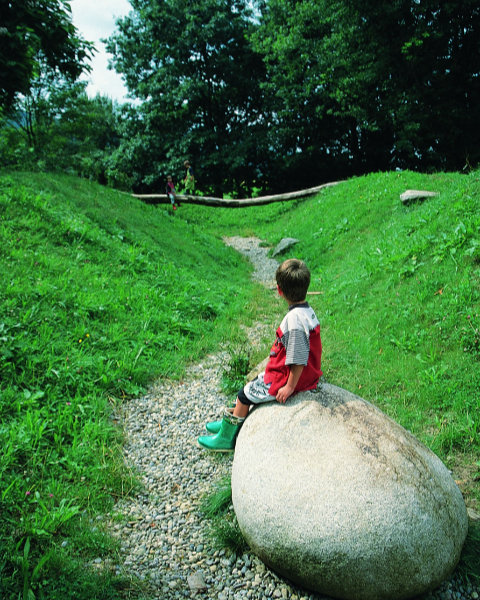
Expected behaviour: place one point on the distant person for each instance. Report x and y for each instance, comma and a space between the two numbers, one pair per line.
189, 180
294, 364
171, 193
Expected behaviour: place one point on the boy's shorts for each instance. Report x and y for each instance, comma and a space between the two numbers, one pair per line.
256, 392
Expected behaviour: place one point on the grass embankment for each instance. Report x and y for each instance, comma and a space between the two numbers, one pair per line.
398, 298
399, 303
101, 293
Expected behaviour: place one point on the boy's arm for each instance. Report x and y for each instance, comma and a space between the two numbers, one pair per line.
287, 390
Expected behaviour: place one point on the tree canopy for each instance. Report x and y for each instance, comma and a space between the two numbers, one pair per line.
31, 32
266, 95
289, 93
194, 69
377, 84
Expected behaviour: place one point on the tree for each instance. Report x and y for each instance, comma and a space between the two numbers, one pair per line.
32, 31
305, 135
426, 60
367, 85
193, 67
57, 127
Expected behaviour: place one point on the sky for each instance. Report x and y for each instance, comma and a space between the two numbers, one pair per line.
95, 19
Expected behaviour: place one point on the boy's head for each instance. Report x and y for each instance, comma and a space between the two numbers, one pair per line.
186, 163
293, 279
169, 178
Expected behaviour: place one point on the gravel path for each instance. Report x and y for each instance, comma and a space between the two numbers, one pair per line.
164, 541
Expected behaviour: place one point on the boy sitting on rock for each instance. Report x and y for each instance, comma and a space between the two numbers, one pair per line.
293, 365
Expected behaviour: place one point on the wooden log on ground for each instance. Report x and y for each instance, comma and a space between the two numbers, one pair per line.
233, 202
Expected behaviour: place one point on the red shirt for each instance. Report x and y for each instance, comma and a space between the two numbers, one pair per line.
297, 342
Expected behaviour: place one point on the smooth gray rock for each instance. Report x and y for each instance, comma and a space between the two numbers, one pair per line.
337, 497
411, 195
196, 582
283, 245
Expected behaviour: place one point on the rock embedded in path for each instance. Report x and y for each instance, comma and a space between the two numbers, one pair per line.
196, 582
283, 245
335, 496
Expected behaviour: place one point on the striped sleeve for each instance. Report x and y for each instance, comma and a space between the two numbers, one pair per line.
297, 347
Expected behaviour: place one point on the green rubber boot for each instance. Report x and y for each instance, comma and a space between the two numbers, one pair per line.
224, 440
214, 426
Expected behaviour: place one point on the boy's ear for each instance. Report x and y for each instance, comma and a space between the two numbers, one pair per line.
280, 293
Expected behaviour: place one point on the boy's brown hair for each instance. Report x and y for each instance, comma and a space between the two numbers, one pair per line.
293, 278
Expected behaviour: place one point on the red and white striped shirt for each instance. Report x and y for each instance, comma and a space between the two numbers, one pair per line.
297, 342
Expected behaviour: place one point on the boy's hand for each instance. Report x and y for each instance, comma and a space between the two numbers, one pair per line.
287, 390
284, 394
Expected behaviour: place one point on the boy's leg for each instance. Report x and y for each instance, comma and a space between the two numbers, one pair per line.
255, 392
240, 410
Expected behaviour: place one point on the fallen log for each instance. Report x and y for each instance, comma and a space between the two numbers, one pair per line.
233, 202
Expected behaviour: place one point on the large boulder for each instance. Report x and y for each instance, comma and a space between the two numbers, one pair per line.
335, 496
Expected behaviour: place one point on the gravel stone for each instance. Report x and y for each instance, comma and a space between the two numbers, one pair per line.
163, 539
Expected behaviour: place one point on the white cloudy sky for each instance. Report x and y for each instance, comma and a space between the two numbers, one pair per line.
95, 19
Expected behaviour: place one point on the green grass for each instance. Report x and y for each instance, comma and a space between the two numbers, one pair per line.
235, 372
101, 294
223, 526
399, 297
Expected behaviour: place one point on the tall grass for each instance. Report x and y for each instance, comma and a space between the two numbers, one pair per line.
99, 295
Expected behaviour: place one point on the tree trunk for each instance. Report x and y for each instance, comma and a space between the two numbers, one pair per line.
230, 202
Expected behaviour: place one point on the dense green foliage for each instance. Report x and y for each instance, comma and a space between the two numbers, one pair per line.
199, 86
57, 127
32, 33
271, 95
347, 87
373, 85
47, 122
101, 294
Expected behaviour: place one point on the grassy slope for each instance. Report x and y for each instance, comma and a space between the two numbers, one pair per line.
399, 298
99, 294
398, 303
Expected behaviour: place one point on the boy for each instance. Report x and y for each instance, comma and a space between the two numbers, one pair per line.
171, 193
293, 365
189, 181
